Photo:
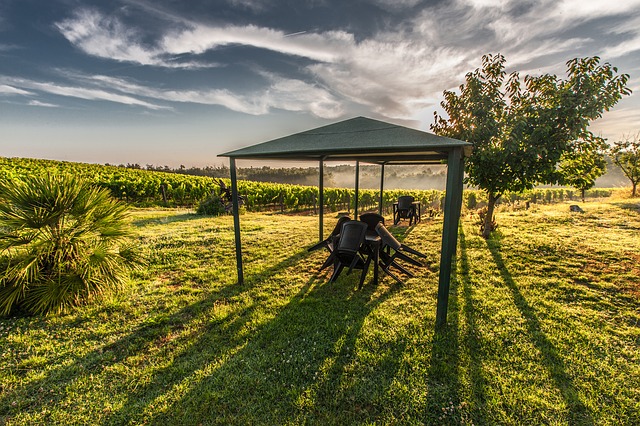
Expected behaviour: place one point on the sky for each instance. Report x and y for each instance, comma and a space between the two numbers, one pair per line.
169, 82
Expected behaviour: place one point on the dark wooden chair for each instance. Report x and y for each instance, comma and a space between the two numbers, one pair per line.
350, 251
405, 209
392, 250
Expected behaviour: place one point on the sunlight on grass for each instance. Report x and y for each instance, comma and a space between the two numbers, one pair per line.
543, 328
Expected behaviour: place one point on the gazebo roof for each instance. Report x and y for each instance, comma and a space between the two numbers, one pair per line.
362, 139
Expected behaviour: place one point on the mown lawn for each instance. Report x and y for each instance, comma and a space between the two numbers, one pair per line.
544, 328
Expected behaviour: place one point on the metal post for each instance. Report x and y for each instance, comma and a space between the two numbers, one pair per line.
381, 188
452, 206
236, 218
355, 214
321, 200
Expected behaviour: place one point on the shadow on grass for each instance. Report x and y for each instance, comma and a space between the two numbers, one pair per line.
169, 218
577, 411
470, 339
159, 328
444, 368
272, 365
448, 345
629, 205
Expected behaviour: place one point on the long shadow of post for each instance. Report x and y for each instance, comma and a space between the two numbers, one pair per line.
444, 368
470, 338
142, 339
289, 367
578, 412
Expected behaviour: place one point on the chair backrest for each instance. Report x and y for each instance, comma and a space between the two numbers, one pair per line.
404, 202
351, 236
371, 219
387, 238
338, 227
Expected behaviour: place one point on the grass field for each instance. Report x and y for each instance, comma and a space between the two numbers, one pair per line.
543, 328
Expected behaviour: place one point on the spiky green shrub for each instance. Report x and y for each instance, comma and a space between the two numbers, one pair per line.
62, 243
212, 206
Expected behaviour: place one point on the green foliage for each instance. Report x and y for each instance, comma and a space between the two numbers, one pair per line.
626, 155
211, 206
521, 132
580, 166
62, 243
143, 188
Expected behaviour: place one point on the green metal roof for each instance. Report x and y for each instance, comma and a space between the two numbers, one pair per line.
360, 138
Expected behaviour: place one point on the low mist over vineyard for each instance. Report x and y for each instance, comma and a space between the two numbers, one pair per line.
396, 177
168, 187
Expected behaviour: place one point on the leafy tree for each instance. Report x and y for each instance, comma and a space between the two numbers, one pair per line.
583, 163
522, 128
626, 155
61, 243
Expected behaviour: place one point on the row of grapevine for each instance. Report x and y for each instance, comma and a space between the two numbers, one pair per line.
143, 187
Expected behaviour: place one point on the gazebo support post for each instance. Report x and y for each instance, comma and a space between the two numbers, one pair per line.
355, 214
381, 188
321, 200
452, 206
236, 218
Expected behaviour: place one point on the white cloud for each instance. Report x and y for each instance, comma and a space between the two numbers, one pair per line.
617, 122
41, 104
93, 94
398, 73
106, 37
323, 47
78, 92
281, 93
10, 90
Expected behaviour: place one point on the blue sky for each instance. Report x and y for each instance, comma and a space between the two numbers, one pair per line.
178, 82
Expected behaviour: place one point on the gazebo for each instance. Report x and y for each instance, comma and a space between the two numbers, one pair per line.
370, 141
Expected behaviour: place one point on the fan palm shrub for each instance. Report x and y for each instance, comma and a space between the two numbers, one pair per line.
62, 243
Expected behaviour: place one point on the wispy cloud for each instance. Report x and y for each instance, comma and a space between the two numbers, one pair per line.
281, 93
76, 92
397, 73
323, 47
7, 47
10, 90
107, 37
41, 104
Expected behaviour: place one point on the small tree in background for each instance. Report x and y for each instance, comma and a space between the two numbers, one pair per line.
626, 155
583, 163
62, 243
520, 134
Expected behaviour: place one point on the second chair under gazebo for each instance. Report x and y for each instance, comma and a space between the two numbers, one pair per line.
391, 250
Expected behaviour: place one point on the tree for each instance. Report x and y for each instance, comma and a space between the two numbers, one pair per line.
62, 243
583, 163
626, 155
522, 128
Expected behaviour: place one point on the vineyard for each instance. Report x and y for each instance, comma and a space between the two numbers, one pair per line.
155, 188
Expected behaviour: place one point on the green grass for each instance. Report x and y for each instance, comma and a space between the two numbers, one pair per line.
543, 328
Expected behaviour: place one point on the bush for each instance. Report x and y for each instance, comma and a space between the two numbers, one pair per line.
212, 206
62, 243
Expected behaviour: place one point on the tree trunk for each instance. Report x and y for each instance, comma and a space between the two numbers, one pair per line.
488, 223
582, 193
633, 190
